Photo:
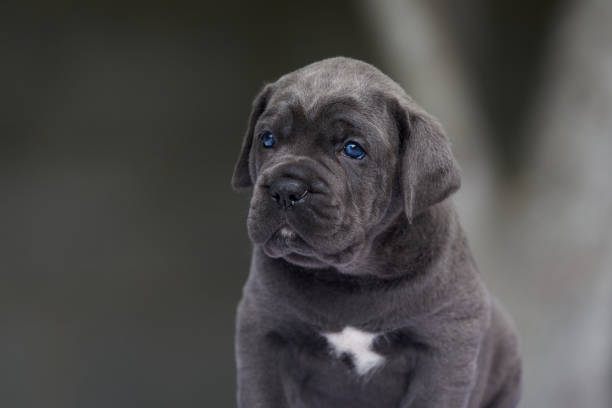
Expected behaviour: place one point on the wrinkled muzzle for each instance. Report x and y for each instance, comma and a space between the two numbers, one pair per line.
299, 208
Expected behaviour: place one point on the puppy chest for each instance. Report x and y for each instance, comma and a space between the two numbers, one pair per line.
350, 353
345, 368
356, 347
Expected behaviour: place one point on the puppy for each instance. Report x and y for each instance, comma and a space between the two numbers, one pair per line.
362, 290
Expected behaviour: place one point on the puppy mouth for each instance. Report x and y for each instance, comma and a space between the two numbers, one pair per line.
310, 234
285, 240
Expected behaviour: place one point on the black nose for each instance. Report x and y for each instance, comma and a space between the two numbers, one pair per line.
288, 191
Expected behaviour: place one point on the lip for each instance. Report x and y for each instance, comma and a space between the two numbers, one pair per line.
284, 235
286, 232
284, 241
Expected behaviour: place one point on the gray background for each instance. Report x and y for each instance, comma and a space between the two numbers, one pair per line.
123, 248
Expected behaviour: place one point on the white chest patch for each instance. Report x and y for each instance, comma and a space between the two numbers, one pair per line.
358, 344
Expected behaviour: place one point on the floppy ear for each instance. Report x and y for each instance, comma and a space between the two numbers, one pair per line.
243, 173
428, 172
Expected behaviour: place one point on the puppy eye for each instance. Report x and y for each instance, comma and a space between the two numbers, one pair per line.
267, 138
354, 151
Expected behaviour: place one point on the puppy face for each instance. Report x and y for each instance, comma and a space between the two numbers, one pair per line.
331, 150
324, 164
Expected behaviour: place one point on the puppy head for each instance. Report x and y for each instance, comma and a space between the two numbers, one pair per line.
333, 150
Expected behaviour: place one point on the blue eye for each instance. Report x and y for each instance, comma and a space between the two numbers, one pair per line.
354, 151
267, 139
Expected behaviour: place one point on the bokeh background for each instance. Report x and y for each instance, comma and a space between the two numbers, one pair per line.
123, 248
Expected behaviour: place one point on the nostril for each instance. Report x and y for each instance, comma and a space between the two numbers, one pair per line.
287, 192
295, 197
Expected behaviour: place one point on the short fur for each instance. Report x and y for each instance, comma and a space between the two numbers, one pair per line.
377, 246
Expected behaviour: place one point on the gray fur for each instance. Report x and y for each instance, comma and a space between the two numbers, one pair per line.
379, 249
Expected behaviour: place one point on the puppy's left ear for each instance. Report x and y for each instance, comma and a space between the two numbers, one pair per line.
244, 171
429, 172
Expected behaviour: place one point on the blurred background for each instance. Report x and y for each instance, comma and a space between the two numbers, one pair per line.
124, 250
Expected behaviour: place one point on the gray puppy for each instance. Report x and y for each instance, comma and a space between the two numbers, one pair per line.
362, 290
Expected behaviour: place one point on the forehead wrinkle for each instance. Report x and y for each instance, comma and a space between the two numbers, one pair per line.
318, 92
297, 112
376, 120
324, 105
277, 114
361, 119
273, 111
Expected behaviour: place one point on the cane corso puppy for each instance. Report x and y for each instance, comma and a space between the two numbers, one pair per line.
362, 290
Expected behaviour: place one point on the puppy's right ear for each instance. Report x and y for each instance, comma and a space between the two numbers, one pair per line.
244, 171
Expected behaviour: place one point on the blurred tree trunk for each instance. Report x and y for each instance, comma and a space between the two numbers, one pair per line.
568, 211
540, 228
